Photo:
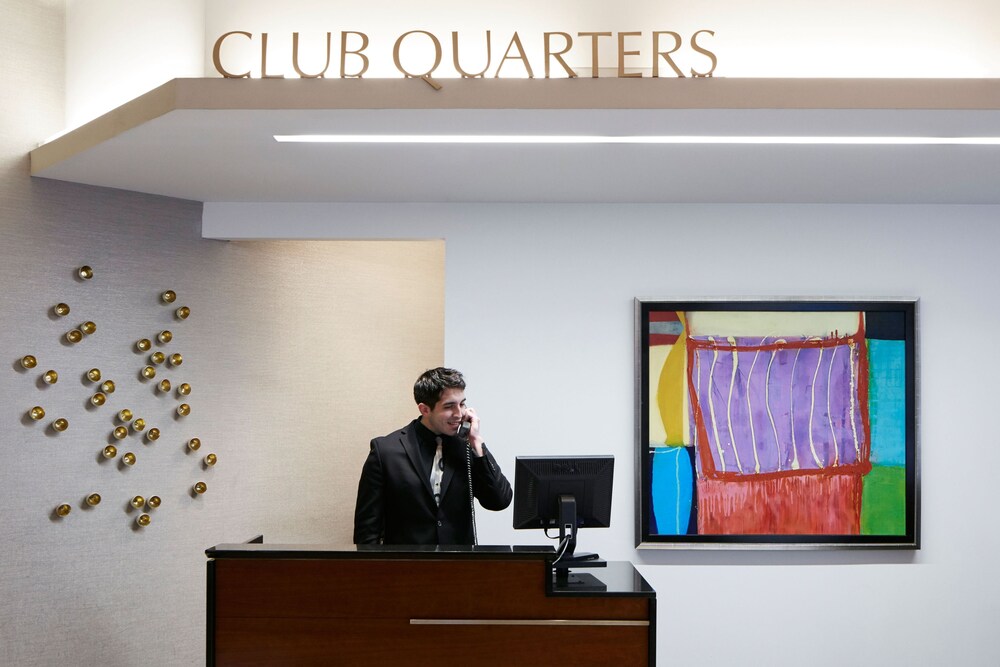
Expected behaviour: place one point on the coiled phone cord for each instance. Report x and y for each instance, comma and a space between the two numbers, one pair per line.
472, 497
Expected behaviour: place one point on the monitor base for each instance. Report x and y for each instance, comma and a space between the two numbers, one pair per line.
566, 581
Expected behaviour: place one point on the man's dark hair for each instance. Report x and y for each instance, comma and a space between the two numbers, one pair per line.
429, 386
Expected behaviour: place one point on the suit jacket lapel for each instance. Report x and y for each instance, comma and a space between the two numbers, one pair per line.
411, 445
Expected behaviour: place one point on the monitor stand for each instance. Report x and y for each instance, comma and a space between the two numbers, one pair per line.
562, 579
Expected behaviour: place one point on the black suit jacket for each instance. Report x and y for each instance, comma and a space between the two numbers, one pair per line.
395, 503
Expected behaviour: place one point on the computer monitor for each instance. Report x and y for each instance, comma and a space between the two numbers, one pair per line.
565, 492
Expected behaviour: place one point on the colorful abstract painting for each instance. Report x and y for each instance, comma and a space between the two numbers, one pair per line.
777, 423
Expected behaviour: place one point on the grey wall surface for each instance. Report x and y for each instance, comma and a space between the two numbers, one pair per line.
297, 353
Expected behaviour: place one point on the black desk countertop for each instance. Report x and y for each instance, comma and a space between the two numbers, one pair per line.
620, 577
354, 551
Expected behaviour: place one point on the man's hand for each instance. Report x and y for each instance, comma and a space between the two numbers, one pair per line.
475, 438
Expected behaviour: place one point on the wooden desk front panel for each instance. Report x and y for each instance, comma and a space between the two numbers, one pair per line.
302, 612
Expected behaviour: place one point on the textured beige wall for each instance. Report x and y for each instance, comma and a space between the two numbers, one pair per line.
298, 352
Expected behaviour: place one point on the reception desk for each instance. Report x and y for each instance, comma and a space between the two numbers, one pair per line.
280, 604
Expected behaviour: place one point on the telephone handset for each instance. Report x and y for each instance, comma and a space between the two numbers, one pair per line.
463, 430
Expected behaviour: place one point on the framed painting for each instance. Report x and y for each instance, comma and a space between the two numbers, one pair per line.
776, 424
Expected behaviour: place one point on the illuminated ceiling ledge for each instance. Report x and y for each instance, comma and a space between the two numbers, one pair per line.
214, 140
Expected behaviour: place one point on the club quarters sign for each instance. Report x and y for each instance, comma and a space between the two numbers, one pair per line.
668, 51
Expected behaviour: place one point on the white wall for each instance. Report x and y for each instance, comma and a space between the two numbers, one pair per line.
118, 49
539, 317
782, 38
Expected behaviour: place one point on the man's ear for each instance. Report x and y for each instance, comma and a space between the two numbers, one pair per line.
424, 410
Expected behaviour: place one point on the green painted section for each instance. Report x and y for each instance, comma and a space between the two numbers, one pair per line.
883, 501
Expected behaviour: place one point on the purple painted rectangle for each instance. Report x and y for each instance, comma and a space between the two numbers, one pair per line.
774, 410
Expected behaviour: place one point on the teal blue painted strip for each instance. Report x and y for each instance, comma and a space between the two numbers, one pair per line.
672, 490
666, 328
887, 401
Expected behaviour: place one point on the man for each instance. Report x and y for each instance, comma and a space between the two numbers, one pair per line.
415, 484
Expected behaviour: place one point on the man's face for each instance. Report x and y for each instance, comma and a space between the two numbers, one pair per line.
444, 418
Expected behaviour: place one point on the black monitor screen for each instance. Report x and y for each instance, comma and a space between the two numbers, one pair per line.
539, 481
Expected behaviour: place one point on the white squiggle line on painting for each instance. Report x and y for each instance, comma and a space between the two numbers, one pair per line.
767, 401
854, 427
753, 434
791, 411
829, 412
711, 404
729, 404
812, 409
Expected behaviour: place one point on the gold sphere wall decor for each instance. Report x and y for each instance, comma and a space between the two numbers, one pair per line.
155, 364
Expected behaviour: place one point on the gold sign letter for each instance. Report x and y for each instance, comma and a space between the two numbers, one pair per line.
437, 54
666, 54
705, 52
295, 58
217, 56
358, 53
263, 60
558, 55
593, 48
622, 53
515, 41
454, 56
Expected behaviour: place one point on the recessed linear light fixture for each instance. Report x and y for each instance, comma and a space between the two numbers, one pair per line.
644, 139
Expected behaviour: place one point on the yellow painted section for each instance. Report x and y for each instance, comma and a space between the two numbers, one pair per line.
745, 323
671, 394
657, 361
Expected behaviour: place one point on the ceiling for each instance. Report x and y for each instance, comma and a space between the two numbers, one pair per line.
211, 140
